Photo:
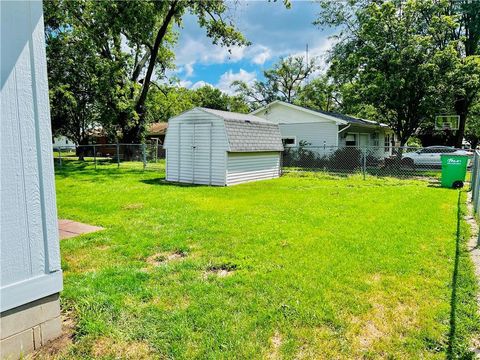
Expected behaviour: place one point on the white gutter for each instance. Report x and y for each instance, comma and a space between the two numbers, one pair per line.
345, 128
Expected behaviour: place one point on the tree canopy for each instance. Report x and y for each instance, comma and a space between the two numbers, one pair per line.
282, 82
405, 61
123, 47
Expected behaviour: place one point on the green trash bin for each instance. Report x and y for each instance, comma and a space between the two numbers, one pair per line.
454, 170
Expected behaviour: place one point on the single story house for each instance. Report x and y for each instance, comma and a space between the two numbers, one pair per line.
214, 147
62, 141
156, 132
315, 128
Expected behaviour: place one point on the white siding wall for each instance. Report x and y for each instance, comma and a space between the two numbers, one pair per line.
316, 134
179, 141
63, 141
29, 253
244, 167
281, 114
311, 128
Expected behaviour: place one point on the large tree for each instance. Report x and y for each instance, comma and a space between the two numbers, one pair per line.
317, 94
393, 55
133, 42
73, 88
170, 100
466, 85
472, 131
282, 82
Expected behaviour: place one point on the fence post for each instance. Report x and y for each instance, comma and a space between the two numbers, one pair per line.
60, 156
118, 155
364, 162
95, 156
144, 156
280, 170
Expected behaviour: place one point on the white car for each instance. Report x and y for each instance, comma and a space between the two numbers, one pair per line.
430, 156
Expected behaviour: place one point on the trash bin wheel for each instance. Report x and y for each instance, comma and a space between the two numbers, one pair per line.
457, 184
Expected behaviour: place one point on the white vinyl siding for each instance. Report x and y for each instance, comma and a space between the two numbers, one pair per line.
282, 114
315, 134
244, 167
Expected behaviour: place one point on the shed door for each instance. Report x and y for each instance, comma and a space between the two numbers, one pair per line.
185, 153
195, 153
202, 154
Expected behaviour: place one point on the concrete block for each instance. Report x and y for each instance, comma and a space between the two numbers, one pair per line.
29, 315
17, 345
28, 327
51, 329
37, 337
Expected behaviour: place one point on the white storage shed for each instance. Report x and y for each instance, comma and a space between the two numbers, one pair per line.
213, 147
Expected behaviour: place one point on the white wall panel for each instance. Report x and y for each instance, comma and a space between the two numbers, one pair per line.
29, 232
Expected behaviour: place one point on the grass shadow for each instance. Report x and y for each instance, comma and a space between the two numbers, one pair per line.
453, 299
162, 182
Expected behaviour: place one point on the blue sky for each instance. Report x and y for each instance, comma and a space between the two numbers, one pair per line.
273, 30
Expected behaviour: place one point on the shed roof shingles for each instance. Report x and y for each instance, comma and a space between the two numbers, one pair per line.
253, 136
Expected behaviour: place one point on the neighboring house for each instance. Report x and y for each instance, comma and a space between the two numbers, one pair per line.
156, 132
214, 147
31, 277
302, 126
61, 140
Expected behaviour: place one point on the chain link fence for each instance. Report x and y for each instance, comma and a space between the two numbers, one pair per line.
107, 156
404, 162
475, 182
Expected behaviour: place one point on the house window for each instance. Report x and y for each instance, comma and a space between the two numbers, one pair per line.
289, 141
351, 140
375, 139
386, 142
66, 141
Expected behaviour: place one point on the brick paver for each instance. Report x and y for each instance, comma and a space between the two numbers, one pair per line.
70, 228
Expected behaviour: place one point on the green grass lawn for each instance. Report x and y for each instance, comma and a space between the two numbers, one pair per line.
305, 266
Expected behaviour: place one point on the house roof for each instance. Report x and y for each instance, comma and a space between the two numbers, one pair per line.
248, 133
351, 119
228, 115
159, 128
340, 119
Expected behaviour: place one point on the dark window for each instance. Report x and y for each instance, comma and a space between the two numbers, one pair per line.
351, 140
289, 141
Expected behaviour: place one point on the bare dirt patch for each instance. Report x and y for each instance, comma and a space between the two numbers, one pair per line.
56, 348
106, 347
382, 322
222, 270
133, 206
166, 257
275, 344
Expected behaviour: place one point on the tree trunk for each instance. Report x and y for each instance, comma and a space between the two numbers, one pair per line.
136, 131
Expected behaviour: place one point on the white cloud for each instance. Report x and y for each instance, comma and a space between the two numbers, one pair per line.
225, 81
261, 54
185, 83
200, 84
201, 50
188, 69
